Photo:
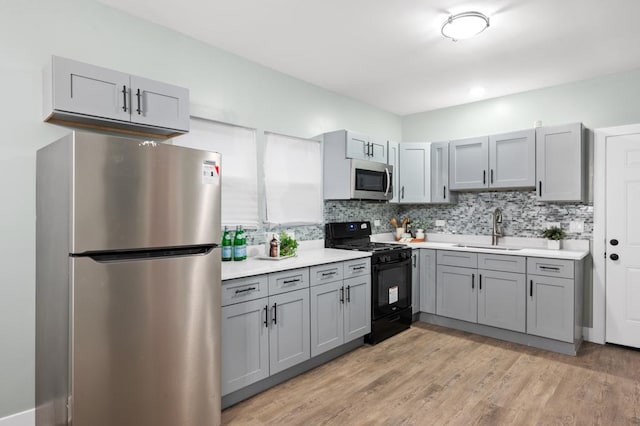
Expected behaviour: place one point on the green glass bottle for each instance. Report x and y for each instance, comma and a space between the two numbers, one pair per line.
239, 244
227, 245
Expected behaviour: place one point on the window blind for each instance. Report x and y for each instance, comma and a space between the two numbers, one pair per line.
239, 175
293, 180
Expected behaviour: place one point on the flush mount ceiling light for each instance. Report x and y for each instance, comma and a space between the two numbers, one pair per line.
464, 25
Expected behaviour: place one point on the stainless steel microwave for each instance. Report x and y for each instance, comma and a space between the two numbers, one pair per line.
358, 180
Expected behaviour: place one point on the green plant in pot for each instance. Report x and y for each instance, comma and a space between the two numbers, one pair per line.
288, 245
555, 235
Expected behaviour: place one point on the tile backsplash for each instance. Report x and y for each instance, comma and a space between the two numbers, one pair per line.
523, 216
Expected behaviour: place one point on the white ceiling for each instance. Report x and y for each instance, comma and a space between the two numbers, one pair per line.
390, 54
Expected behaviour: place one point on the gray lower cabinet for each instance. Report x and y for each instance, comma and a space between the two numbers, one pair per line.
357, 313
428, 281
289, 336
550, 307
327, 317
415, 281
501, 299
245, 344
340, 313
456, 293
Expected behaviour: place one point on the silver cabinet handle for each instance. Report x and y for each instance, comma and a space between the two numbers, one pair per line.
291, 281
328, 274
358, 268
549, 268
244, 290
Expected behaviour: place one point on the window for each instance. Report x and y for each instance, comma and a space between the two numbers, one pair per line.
238, 171
293, 180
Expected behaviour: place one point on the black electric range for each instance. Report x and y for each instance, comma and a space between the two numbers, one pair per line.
391, 310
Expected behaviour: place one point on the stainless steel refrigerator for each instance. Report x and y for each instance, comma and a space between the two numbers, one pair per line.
127, 283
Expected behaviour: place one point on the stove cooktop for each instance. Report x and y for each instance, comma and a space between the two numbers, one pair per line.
370, 247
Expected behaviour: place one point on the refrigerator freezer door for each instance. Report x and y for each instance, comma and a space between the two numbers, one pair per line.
146, 341
132, 194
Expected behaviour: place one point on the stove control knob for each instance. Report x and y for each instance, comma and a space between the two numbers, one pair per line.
404, 255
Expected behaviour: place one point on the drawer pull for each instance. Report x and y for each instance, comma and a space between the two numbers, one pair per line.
244, 290
358, 268
328, 274
297, 280
549, 268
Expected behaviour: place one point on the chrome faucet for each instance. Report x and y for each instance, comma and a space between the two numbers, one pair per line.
497, 226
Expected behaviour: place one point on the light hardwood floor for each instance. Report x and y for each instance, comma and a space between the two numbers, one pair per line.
434, 375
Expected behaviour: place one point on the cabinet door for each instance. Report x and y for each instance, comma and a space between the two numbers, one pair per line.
393, 156
502, 300
428, 281
327, 317
512, 162
415, 281
560, 163
357, 313
456, 293
440, 173
377, 150
289, 337
245, 344
468, 163
550, 307
357, 146
415, 182
159, 104
90, 90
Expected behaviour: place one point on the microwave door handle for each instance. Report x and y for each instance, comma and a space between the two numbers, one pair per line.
386, 192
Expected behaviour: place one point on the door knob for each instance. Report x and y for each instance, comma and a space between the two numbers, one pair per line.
614, 256
614, 242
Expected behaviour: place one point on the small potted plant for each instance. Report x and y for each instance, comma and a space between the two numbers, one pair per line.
555, 235
288, 245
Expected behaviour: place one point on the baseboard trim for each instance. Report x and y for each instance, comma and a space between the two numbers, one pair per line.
25, 418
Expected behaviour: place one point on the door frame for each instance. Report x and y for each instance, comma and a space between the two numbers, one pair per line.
597, 333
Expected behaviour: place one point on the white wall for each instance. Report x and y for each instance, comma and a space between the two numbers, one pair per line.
606, 101
223, 87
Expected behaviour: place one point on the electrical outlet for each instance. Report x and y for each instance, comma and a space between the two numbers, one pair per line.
376, 222
440, 222
551, 224
576, 227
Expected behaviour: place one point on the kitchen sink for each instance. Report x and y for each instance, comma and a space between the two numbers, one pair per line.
488, 247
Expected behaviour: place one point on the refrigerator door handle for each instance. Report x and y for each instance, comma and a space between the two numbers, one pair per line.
147, 254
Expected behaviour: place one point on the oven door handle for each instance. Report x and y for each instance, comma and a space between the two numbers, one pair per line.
386, 170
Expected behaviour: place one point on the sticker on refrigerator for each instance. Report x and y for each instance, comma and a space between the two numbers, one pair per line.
393, 294
210, 172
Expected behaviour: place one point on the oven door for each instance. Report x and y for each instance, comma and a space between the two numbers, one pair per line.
371, 181
391, 287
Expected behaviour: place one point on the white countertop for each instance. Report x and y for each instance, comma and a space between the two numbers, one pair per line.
305, 257
531, 247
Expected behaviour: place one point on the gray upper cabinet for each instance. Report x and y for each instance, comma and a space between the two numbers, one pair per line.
245, 344
289, 337
502, 299
456, 293
512, 162
440, 191
393, 159
428, 281
88, 95
415, 180
362, 147
468, 163
415, 281
560, 168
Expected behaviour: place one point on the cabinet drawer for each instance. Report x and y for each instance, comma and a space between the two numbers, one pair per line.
497, 262
243, 289
550, 267
357, 267
457, 258
282, 282
326, 273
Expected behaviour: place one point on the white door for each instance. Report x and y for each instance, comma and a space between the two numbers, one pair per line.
623, 239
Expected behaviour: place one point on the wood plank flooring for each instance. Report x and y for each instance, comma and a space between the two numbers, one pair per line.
434, 375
